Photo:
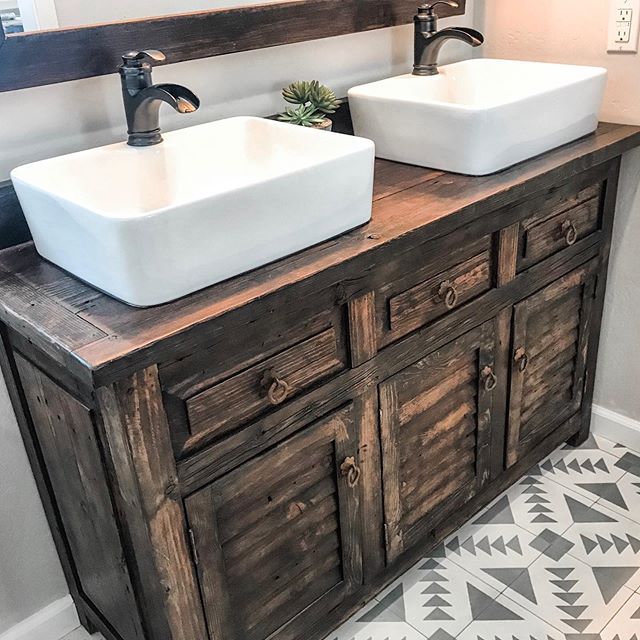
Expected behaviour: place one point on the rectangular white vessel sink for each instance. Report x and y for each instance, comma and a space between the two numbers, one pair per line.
478, 116
149, 225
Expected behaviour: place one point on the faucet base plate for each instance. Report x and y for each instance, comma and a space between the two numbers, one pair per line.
144, 139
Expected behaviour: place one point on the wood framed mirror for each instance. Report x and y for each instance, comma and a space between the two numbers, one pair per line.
50, 55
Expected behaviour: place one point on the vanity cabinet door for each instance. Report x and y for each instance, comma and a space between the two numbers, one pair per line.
550, 344
436, 421
278, 540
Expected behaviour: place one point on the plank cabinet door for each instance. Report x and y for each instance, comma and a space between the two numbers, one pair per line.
436, 421
278, 539
550, 343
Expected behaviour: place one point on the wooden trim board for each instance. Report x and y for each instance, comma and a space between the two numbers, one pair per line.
48, 57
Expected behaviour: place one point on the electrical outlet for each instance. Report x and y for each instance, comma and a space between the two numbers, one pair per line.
624, 26
625, 15
623, 33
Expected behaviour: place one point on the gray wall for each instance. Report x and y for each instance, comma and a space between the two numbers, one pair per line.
48, 121
30, 574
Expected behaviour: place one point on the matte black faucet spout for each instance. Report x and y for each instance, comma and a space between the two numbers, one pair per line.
428, 40
142, 99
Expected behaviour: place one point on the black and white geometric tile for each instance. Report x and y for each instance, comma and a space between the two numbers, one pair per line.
570, 595
439, 598
539, 504
613, 545
377, 621
583, 471
556, 557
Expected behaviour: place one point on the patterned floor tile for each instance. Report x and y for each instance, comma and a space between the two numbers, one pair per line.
518, 624
626, 623
439, 598
377, 621
610, 542
570, 595
494, 550
540, 505
624, 496
596, 443
590, 473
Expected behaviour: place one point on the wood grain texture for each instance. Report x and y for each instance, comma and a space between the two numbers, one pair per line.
286, 505
286, 532
424, 212
234, 401
551, 330
556, 227
67, 436
47, 57
362, 328
436, 423
88, 617
144, 481
608, 215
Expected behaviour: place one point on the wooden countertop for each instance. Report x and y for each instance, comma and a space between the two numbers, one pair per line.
90, 334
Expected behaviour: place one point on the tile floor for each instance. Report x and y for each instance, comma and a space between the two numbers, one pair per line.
556, 557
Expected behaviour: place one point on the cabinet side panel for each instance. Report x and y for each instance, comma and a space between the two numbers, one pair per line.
67, 436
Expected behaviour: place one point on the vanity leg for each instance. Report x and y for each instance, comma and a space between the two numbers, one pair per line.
86, 622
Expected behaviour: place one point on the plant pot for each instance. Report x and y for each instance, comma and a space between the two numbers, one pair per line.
325, 125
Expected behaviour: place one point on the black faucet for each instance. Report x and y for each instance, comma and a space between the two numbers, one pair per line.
428, 40
142, 99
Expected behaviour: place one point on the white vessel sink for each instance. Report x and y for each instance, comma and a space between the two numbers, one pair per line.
478, 116
149, 225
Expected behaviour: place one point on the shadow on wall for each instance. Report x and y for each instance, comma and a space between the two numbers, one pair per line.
30, 573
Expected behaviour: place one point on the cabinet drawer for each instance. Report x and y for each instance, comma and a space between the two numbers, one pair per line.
427, 291
560, 224
266, 385
255, 365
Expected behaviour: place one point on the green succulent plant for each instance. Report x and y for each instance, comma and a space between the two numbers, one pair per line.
314, 102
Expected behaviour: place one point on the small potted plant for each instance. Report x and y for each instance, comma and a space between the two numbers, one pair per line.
314, 102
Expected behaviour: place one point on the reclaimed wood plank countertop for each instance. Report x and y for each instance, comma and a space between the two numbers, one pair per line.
97, 339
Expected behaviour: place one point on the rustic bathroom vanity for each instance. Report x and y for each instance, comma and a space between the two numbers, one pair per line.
256, 460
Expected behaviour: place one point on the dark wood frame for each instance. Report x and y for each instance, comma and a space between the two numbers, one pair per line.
48, 57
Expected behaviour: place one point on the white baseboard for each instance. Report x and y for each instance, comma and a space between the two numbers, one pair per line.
51, 623
613, 426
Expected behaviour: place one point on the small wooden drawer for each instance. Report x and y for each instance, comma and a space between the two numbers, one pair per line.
266, 385
430, 290
254, 368
559, 224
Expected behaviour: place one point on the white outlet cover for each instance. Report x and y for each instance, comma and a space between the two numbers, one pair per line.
615, 24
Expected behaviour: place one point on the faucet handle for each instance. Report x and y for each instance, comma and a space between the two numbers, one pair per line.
138, 58
428, 7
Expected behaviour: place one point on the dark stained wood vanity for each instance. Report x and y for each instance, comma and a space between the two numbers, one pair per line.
258, 459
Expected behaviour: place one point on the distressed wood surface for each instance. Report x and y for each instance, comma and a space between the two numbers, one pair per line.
47, 57
386, 409
144, 482
70, 444
431, 208
551, 330
436, 423
286, 532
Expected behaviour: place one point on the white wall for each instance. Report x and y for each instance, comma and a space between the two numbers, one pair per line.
575, 31
47, 121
